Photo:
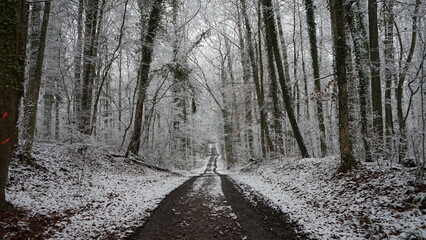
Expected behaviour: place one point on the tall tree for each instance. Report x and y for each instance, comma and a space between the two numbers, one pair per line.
401, 80
13, 19
89, 55
376, 89
347, 161
389, 69
269, 20
248, 116
226, 109
310, 19
180, 72
37, 47
77, 61
357, 38
257, 82
143, 72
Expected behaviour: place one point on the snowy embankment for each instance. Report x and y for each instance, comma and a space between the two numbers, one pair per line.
90, 193
372, 202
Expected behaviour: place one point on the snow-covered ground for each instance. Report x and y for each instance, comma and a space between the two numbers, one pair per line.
372, 202
95, 195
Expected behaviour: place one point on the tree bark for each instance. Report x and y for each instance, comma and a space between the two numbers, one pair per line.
248, 116
399, 90
78, 63
389, 54
376, 89
310, 20
89, 55
363, 81
33, 90
14, 19
268, 17
347, 161
144, 68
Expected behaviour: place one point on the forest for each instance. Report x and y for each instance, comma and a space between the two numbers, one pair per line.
318, 95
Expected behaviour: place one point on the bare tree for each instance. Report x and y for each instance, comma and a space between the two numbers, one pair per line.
37, 47
268, 17
144, 68
310, 19
376, 88
89, 54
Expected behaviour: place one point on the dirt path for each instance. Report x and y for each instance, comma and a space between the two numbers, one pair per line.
210, 206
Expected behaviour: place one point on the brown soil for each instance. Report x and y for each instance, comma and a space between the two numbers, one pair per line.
198, 210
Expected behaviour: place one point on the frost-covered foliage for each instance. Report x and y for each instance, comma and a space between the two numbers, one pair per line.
96, 195
372, 202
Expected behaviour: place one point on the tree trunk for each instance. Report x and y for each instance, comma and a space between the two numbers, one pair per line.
144, 68
347, 161
78, 63
274, 95
302, 56
248, 116
227, 116
14, 19
34, 80
363, 81
257, 83
180, 80
389, 72
399, 90
268, 16
376, 89
89, 60
57, 116
310, 20
47, 115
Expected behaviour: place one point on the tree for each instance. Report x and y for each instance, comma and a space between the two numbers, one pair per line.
89, 54
268, 17
356, 31
401, 80
347, 161
13, 24
310, 19
257, 82
245, 64
77, 62
376, 88
389, 68
144, 68
37, 47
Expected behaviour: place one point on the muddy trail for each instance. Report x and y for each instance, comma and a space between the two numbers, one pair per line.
211, 206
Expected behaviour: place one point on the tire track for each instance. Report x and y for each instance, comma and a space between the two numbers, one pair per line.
210, 206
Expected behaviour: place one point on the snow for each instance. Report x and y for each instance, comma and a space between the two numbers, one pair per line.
96, 194
372, 202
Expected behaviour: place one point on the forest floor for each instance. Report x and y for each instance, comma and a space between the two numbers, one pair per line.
81, 192
377, 200
90, 192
